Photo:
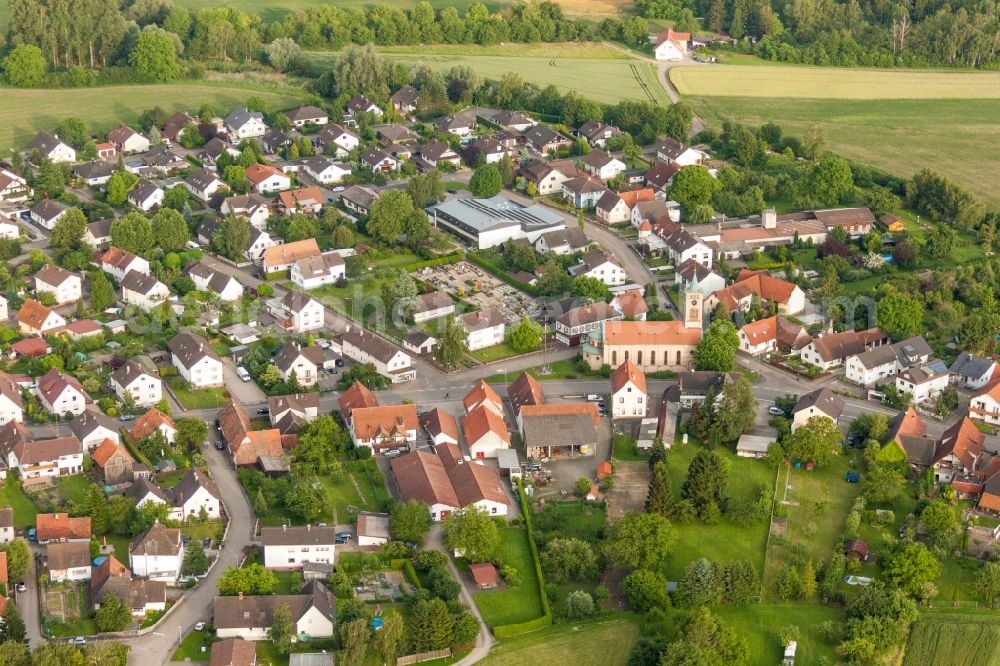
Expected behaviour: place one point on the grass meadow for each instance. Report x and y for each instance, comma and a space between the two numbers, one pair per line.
24, 112
593, 70
899, 120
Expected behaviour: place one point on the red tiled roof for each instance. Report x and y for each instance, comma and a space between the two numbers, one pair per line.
481, 421
56, 526
150, 421
625, 373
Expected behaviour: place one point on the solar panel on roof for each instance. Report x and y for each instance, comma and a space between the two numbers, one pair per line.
939, 366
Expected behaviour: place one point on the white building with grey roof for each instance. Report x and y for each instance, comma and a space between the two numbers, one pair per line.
486, 223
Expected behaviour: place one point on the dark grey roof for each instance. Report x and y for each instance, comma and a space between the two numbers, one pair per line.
395, 133
360, 195
407, 95
45, 142
89, 421
541, 135
296, 301
240, 116
189, 485
370, 343
191, 348
583, 185
973, 367
94, 169
142, 190
307, 113
481, 319
302, 535
597, 159
201, 179
128, 373
143, 487
822, 399
558, 430
436, 150
139, 282
53, 275
360, 104
158, 540
374, 156
258, 611
48, 209
101, 228
290, 352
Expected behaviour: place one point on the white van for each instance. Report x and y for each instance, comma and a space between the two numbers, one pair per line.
242, 373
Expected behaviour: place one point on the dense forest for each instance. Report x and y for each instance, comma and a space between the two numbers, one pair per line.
877, 33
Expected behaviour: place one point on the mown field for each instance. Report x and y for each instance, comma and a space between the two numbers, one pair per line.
593, 70
954, 639
900, 121
24, 112
603, 642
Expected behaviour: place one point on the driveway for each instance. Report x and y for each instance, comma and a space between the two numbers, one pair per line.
158, 646
245, 392
484, 640
27, 604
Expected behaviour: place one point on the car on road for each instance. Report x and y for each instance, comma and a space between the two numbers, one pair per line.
393, 453
21, 587
339, 188
593, 397
220, 445
199, 626
774, 410
79, 640
32, 535
127, 417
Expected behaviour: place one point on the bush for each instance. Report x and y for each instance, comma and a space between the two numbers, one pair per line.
509, 575
579, 605
429, 559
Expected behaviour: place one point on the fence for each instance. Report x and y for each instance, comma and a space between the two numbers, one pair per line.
423, 656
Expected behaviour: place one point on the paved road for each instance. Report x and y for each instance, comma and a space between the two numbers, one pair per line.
27, 604
485, 639
158, 647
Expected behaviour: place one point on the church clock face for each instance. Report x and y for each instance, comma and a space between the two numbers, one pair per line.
693, 309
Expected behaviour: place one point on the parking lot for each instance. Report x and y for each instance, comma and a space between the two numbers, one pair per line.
481, 289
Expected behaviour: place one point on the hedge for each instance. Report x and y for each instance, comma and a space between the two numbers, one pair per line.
411, 574
507, 630
276, 275
500, 273
437, 261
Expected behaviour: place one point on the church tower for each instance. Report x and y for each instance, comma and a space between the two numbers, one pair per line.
693, 309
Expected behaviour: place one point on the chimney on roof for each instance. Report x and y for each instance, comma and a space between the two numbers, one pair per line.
308, 527
769, 218
241, 596
399, 420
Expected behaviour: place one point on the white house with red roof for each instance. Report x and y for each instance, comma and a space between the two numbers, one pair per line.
671, 45
629, 399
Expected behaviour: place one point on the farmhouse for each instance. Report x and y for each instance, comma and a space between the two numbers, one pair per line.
113, 462
384, 427
485, 432
828, 351
787, 297
564, 429
446, 483
524, 391
670, 45
441, 426
246, 445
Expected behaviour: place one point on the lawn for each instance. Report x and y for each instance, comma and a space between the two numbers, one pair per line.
518, 604
725, 541
103, 108
603, 642
190, 647
12, 495
353, 490
197, 398
956, 639
495, 353
353, 298
819, 502
72, 489
759, 625
572, 519
609, 79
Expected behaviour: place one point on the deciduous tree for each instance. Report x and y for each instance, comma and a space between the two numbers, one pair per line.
641, 540
472, 532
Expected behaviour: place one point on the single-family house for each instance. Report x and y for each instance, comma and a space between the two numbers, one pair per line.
126, 140
376, 159
224, 286
13, 188
50, 147
196, 497
361, 104
11, 403
436, 153
195, 360
145, 195
95, 173
118, 263
242, 123
287, 413
583, 191
485, 328
158, 554
562, 241
326, 171
313, 611
279, 258
670, 45
92, 426
631, 304
203, 184
47, 212
363, 346
297, 312
359, 199
253, 207
308, 115
972, 372
574, 326
246, 445
60, 393
143, 291
819, 403
543, 139
432, 305
597, 264
923, 382
405, 99
629, 398
132, 379
675, 153
772, 334
67, 562
597, 133
62, 528
313, 272
829, 351
65, 287
602, 165
304, 363
334, 138
39, 460
265, 178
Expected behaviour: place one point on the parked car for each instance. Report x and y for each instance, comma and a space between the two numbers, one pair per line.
198, 626
340, 542
263, 411
127, 417
79, 640
344, 535
393, 453
21, 587
32, 536
220, 445
593, 397
774, 410
242, 373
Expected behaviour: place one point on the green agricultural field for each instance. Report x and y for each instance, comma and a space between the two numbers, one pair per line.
603, 642
24, 112
726, 541
899, 120
964, 639
610, 78
516, 604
